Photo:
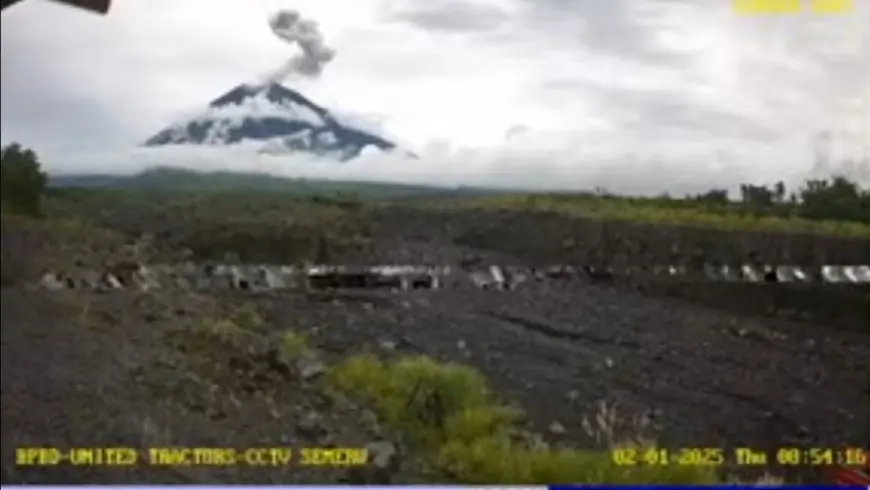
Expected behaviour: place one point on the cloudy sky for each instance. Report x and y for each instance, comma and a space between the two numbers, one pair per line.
632, 95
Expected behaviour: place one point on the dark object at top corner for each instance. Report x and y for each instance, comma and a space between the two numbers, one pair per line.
97, 6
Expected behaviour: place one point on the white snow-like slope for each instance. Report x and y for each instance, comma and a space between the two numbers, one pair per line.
281, 119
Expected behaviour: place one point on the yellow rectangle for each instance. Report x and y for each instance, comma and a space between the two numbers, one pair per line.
828, 7
785, 7
767, 7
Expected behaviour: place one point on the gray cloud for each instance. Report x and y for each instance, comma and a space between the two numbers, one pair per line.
40, 109
451, 16
626, 84
668, 111
624, 29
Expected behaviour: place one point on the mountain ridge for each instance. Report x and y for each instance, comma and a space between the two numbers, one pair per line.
179, 179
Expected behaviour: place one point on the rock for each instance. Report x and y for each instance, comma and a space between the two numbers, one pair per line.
188, 269
407, 343
388, 345
491, 278
533, 441
383, 454
556, 428
89, 280
146, 279
52, 281
310, 426
112, 281
369, 422
310, 367
384, 463
367, 417
336, 398
272, 279
182, 282
238, 280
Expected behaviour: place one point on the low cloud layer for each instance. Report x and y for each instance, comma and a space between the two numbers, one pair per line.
634, 96
520, 165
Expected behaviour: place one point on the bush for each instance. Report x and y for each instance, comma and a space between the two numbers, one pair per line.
449, 410
838, 198
835, 206
22, 181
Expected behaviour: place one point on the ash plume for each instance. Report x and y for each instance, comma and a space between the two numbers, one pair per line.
291, 27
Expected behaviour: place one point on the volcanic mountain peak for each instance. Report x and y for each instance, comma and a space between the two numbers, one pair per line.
272, 93
283, 120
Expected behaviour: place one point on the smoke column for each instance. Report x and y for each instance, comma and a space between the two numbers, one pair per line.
292, 28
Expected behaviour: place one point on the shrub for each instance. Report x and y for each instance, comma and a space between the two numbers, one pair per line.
836, 206
22, 181
448, 409
294, 345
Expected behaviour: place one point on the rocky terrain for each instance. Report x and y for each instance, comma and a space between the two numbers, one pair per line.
702, 363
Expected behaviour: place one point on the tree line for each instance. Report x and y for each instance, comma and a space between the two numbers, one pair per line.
833, 199
23, 186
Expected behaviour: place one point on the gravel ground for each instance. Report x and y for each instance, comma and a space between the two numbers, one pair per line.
706, 377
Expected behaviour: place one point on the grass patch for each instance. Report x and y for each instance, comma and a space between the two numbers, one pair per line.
658, 212
294, 345
72, 231
209, 342
218, 330
449, 411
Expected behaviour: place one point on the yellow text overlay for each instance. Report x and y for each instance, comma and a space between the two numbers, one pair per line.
190, 456
817, 7
743, 456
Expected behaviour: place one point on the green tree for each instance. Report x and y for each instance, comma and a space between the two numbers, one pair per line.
714, 196
756, 196
22, 181
779, 192
835, 199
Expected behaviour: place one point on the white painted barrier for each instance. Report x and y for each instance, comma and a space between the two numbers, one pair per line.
260, 277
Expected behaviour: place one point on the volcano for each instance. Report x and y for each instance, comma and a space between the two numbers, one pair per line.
279, 119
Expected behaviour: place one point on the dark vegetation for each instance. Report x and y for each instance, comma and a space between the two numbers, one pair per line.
22, 181
396, 372
837, 198
171, 179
